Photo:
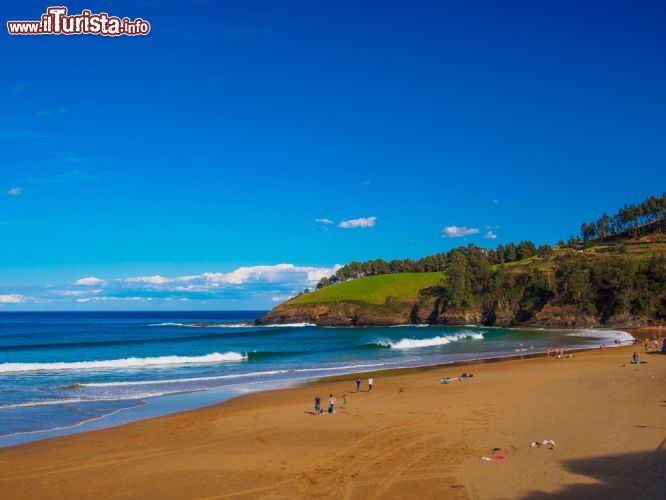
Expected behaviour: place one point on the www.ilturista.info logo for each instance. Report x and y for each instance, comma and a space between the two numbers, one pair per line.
56, 21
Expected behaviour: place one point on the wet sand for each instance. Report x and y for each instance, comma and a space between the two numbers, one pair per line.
411, 437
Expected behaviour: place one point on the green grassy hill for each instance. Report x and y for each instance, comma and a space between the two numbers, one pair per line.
373, 289
587, 284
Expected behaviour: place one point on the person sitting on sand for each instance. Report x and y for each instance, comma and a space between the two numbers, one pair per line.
317, 404
331, 403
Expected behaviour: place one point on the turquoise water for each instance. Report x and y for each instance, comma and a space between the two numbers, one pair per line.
64, 372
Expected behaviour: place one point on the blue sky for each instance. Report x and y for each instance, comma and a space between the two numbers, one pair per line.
168, 167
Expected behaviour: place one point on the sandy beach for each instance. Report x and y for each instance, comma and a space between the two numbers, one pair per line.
411, 437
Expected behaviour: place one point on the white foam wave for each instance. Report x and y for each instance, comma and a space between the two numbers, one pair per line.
430, 342
289, 325
215, 357
611, 335
227, 325
168, 324
231, 376
251, 325
418, 325
70, 401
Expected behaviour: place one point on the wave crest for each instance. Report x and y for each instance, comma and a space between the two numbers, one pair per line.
603, 335
214, 357
408, 343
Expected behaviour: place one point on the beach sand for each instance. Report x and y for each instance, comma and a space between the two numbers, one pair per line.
411, 437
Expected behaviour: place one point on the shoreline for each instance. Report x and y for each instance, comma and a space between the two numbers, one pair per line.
171, 404
410, 426
198, 399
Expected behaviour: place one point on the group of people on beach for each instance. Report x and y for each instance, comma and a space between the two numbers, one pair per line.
358, 384
557, 353
318, 410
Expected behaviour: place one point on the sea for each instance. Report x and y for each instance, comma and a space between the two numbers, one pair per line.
67, 372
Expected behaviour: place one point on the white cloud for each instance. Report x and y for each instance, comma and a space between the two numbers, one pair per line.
324, 221
114, 299
493, 227
363, 222
75, 293
11, 299
279, 273
15, 191
490, 235
152, 280
496, 201
90, 281
282, 279
459, 231
280, 298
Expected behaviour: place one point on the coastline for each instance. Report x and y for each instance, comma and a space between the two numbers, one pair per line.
194, 399
405, 408
191, 400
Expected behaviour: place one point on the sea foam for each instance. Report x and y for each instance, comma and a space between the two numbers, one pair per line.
408, 343
603, 335
215, 357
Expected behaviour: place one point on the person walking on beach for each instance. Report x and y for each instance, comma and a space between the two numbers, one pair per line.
344, 401
331, 403
317, 405
358, 384
370, 381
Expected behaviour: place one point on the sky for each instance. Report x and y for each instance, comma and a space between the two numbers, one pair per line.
244, 149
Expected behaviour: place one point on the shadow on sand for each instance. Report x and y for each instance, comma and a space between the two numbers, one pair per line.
631, 475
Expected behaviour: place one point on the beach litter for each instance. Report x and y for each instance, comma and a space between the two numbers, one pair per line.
539, 444
487, 459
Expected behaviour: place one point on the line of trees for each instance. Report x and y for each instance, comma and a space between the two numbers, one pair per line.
434, 263
602, 288
628, 222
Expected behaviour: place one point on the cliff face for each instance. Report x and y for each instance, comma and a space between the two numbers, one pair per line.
428, 310
340, 314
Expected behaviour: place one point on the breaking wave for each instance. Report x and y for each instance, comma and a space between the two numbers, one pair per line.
244, 324
418, 325
266, 373
603, 335
430, 342
215, 357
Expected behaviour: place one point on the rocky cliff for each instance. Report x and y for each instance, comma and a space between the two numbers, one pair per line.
553, 313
